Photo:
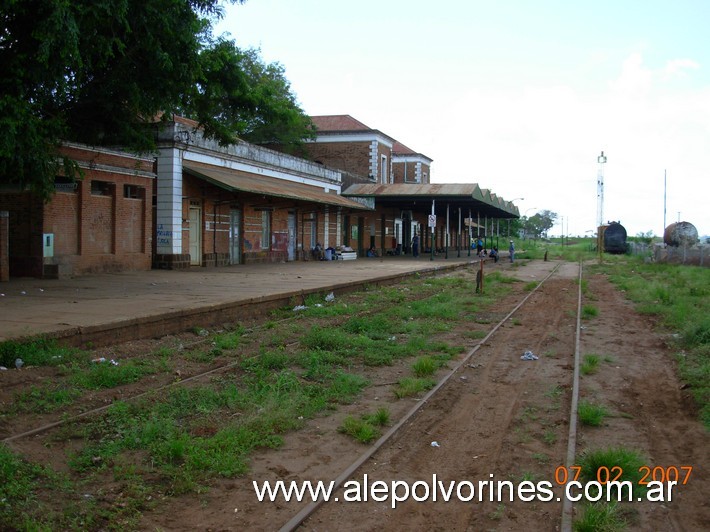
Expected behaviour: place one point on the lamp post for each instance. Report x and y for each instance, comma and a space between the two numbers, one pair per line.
600, 189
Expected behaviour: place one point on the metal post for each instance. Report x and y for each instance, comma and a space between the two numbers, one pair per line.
468, 241
458, 237
431, 246
446, 244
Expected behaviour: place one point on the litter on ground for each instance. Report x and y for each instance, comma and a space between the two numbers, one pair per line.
529, 356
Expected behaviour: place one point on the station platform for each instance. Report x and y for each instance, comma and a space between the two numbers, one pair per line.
110, 308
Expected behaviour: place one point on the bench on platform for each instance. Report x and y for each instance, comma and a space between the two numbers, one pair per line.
345, 255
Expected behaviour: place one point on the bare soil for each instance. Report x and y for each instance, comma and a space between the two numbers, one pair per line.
498, 417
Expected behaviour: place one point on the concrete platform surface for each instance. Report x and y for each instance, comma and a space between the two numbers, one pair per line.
142, 304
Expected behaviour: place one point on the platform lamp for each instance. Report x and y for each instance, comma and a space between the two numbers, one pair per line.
511, 201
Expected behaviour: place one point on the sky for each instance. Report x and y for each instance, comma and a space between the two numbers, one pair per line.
519, 96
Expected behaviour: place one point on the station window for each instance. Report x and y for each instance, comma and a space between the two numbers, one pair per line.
100, 188
65, 184
132, 191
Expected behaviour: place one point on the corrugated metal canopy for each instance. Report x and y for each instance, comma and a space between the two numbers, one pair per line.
418, 197
237, 180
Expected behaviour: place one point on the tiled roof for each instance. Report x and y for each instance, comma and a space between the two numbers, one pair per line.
401, 149
338, 123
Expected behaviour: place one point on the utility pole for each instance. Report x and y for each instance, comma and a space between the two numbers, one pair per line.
600, 189
600, 204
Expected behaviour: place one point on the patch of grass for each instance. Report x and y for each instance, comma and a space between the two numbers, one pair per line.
360, 429
377, 358
541, 458
410, 386
530, 413
320, 365
500, 278
555, 392
589, 311
380, 418
19, 481
600, 517
105, 374
229, 340
591, 414
677, 295
590, 364
39, 352
618, 463
530, 286
44, 399
267, 361
425, 366
326, 339
527, 476
375, 326
549, 437
497, 515
476, 335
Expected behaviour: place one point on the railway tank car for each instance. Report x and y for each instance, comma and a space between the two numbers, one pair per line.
680, 234
615, 238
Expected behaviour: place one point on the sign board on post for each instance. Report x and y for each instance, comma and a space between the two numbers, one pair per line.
432, 221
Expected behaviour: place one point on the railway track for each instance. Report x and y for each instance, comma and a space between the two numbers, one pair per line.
468, 430
478, 369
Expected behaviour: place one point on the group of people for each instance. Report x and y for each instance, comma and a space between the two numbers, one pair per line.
494, 253
480, 251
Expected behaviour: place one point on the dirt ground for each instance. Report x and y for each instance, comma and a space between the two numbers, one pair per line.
498, 417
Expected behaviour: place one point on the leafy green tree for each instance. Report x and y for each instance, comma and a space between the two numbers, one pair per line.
540, 223
646, 237
101, 71
238, 94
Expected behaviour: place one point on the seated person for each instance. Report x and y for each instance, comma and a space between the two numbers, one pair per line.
372, 252
494, 254
318, 251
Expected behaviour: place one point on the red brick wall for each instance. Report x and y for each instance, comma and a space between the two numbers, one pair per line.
62, 219
91, 233
216, 204
97, 222
426, 169
349, 156
399, 171
118, 160
387, 152
276, 249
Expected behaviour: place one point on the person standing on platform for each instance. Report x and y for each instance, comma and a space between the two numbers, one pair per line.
511, 250
415, 245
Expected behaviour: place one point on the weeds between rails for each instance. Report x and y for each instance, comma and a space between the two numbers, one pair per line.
286, 371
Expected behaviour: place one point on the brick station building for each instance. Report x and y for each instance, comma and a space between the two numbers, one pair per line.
100, 223
241, 203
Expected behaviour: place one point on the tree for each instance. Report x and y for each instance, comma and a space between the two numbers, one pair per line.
101, 71
539, 224
238, 94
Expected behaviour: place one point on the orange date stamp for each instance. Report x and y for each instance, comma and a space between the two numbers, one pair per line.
676, 474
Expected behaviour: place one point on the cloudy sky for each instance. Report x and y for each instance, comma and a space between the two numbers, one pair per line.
520, 96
